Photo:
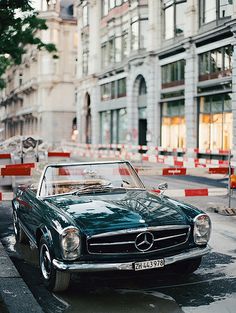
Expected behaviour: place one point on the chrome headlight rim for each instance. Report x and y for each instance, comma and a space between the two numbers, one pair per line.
74, 251
199, 238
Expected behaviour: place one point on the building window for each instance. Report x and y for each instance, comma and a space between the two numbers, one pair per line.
85, 62
105, 7
121, 88
85, 13
173, 74
139, 34
173, 128
174, 18
215, 122
111, 47
111, 51
118, 49
106, 92
142, 87
124, 45
105, 55
112, 4
108, 5
114, 89
20, 79
211, 10
113, 126
215, 63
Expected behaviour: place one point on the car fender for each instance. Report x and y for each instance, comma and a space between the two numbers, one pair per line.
46, 233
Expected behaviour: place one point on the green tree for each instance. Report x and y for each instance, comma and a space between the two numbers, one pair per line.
19, 23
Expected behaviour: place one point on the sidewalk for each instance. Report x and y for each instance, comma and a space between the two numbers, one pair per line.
16, 296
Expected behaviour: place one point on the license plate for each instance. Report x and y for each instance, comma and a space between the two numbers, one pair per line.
146, 265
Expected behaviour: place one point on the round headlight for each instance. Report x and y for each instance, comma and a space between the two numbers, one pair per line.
202, 229
70, 242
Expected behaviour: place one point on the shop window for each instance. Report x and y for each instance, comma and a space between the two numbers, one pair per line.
211, 10
122, 125
113, 126
105, 127
173, 127
215, 63
174, 11
215, 122
173, 74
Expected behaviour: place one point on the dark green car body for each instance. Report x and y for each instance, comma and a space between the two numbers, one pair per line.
114, 226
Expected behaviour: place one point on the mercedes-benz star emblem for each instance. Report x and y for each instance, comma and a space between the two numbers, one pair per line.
144, 241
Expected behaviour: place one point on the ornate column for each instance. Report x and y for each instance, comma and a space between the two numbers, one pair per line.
190, 99
153, 102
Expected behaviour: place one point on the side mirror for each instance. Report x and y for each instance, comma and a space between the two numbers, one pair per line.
162, 187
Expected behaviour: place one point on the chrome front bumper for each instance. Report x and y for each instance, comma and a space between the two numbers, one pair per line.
125, 266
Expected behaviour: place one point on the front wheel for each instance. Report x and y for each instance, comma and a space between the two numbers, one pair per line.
53, 279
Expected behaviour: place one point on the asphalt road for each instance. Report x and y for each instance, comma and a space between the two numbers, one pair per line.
211, 289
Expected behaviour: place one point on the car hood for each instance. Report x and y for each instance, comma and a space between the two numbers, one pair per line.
115, 211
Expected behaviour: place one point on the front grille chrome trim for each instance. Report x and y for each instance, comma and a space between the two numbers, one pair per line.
134, 230
178, 227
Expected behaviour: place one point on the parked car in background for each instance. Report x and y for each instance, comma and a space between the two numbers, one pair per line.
98, 216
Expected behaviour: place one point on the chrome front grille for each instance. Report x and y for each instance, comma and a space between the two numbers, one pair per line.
129, 241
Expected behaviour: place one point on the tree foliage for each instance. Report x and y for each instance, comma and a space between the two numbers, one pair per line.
18, 28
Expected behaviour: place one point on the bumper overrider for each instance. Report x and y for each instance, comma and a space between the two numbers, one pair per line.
125, 266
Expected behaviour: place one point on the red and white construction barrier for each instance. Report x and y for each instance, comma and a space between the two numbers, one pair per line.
8, 196
195, 192
181, 171
152, 154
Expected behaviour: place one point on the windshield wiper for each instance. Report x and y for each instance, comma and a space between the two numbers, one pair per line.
94, 189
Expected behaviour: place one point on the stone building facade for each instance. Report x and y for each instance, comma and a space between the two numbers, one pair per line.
161, 73
39, 96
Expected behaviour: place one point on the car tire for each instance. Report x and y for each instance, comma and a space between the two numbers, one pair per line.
53, 279
187, 267
18, 231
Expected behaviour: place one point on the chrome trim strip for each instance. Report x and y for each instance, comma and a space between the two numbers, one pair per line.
125, 266
30, 237
132, 242
169, 237
112, 243
143, 229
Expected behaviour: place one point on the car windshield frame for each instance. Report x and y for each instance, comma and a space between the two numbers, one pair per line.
88, 177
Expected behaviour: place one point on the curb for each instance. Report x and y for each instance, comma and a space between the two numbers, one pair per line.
13, 290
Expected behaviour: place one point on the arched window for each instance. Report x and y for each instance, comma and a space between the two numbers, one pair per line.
142, 87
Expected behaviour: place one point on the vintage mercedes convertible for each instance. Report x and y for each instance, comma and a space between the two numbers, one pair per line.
98, 216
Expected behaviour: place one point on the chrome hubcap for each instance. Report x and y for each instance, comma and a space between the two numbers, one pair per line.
45, 261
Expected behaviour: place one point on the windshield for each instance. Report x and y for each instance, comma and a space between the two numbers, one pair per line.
88, 178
